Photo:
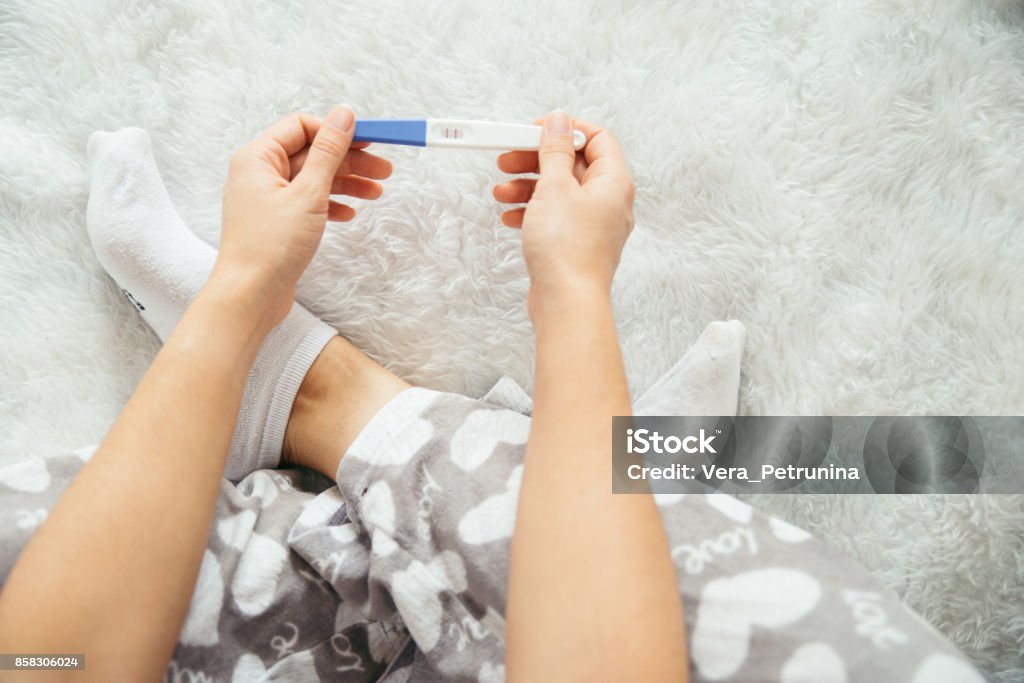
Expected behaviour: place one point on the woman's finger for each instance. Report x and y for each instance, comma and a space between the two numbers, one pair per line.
367, 165
340, 213
579, 169
513, 218
602, 152
519, 162
292, 133
355, 186
357, 162
516, 191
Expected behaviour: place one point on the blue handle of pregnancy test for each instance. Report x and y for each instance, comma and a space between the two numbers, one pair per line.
392, 131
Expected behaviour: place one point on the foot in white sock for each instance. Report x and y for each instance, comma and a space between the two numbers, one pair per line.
705, 381
161, 265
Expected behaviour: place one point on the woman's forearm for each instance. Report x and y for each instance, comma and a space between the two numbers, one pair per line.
592, 589
111, 572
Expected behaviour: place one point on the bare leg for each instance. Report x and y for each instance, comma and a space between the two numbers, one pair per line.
341, 392
344, 389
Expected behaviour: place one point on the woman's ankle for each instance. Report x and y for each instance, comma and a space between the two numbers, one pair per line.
339, 396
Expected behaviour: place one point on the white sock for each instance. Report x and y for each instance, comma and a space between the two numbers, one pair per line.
160, 265
705, 381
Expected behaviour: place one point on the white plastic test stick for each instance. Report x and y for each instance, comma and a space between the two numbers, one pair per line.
455, 133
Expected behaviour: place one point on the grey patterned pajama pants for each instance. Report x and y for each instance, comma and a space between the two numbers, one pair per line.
398, 572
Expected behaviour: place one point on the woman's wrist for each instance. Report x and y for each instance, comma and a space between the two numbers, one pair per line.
572, 300
251, 300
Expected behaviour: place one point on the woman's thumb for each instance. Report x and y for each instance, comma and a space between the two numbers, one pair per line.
557, 155
328, 149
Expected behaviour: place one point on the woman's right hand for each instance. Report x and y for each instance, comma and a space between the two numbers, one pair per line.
277, 200
578, 213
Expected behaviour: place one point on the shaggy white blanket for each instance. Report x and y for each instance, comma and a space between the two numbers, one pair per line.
843, 177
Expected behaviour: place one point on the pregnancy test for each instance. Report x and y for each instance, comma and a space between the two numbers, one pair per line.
454, 133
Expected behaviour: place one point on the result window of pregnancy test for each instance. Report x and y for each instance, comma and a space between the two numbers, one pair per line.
450, 132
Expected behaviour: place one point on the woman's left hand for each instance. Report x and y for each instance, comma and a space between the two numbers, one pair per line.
277, 200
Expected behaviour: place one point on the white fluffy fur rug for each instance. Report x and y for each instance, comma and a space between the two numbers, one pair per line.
843, 177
